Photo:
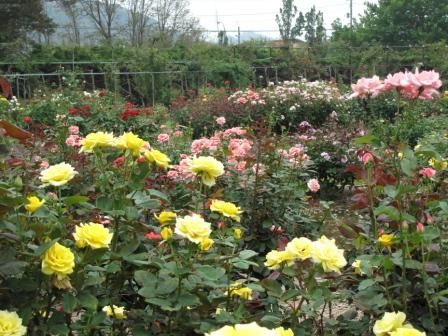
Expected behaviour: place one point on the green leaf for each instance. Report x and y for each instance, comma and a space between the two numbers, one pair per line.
389, 211
88, 301
188, 299
131, 212
104, 203
271, 319
138, 259
145, 278
77, 199
210, 273
158, 194
58, 329
247, 254
69, 303
413, 264
431, 233
44, 247
149, 291
162, 303
12, 267
365, 140
166, 286
272, 286
366, 284
409, 165
290, 294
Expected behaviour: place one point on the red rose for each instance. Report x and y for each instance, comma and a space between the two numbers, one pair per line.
153, 236
27, 120
119, 160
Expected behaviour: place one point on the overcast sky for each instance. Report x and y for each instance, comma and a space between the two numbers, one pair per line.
259, 15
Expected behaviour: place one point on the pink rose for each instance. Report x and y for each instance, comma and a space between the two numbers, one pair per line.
221, 121
74, 130
366, 87
73, 140
44, 165
420, 227
427, 172
366, 157
313, 185
163, 138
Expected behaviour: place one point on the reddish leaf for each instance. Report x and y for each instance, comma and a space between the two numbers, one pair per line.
15, 132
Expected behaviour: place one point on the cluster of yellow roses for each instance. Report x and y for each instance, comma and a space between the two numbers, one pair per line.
194, 227
206, 167
250, 329
59, 260
392, 325
323, 251
128, 141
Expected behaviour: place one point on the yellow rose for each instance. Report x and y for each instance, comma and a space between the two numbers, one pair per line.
300, 248
34, 203
93, 234
438, 165
389, 322
165, 217
194, 228
325, 252
58, 260
227, 209
207, 167
130, 141
96, 140
386, 240
118, 313
284, 332
238, 290
154, 156
357, 266
275, 258
11, 324
206, 244
237, 233
251, 329
57, 175
407, 331
166, 233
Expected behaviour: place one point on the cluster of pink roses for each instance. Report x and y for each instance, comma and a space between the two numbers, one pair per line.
295, 155
73, 140
200, 145
422, 85
249, 96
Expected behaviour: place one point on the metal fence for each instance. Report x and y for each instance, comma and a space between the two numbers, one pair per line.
129, 83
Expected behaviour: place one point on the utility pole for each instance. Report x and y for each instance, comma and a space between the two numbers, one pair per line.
351, 15
239, 35
351, 40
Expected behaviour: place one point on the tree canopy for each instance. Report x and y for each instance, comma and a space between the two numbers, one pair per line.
399, 22
17, 18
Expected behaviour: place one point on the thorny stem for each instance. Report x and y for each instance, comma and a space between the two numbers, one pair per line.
371, 202
426, 292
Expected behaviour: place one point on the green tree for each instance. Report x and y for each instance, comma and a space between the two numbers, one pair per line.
399, 22
18, 18
314, 26
289, 25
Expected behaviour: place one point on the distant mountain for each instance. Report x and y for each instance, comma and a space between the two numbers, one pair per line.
90, 35
88, 31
